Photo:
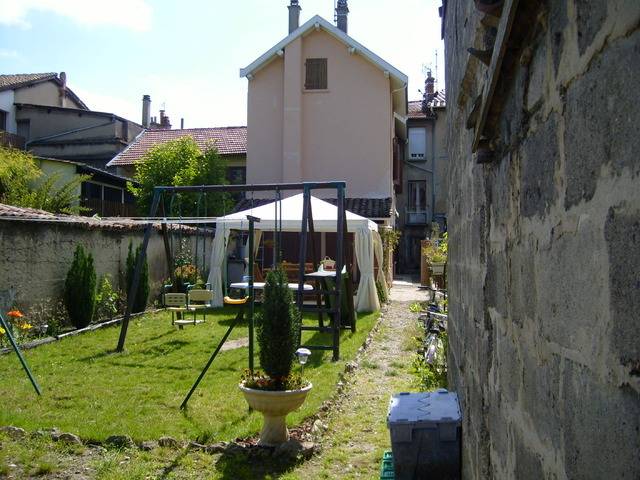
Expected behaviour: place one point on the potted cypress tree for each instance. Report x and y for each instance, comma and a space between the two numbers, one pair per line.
278, 391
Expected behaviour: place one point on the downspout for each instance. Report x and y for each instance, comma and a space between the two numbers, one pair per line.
433, 169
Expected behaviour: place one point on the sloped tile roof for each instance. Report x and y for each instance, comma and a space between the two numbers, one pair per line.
365, 207
228, 140
415, 106
22, 212
19, 79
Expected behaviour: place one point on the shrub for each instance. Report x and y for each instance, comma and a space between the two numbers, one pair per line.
106, 300
80, 289
142, 294
49, 316
278, 327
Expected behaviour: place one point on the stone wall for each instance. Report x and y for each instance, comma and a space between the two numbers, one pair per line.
36, 255
544, 268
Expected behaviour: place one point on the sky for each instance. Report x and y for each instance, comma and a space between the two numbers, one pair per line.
187, 54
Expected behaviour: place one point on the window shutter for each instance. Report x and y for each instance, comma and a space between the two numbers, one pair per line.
316, 74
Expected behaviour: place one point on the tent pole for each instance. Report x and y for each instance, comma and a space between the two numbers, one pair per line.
339, 264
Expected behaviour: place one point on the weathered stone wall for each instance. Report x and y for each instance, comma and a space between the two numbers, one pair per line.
35, 256
544, 269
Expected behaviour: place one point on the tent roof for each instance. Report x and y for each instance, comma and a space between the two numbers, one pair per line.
290, 209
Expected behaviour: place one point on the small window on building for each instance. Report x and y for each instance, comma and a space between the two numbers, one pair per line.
417, 143
3, 120
316, 74
23, 128
417, 202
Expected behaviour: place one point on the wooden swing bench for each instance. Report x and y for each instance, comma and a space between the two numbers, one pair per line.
191, 302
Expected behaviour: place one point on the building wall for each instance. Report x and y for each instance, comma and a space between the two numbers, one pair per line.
544, 246
344, 132
264, 124
6, 104
66, 171
408, 258
44, 93
35, 256
44, 123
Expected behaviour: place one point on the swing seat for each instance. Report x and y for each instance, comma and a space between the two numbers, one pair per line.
235, 301
202, 299
177, 303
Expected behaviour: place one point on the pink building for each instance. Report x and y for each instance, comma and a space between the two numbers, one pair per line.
321, 106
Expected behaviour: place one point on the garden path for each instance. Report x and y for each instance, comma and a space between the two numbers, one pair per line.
357, 434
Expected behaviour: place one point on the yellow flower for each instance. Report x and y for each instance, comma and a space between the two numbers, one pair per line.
25, 326
2, 331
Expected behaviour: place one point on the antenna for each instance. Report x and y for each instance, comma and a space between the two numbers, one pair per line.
436, 82
335, 11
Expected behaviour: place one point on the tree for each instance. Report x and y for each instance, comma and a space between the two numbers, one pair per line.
23, 184
80, 289
142, 293
180, 162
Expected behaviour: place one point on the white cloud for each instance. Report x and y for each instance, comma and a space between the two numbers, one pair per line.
131, 14
5, 53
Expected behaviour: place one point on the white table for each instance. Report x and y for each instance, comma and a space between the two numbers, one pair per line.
260, 286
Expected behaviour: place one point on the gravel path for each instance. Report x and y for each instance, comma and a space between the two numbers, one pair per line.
357, 434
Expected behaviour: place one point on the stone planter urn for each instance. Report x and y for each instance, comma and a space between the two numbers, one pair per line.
437, 268
274, 406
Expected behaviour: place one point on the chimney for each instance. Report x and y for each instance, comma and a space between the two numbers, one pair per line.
342, 10
182, 124
146, 110
429, 84
294, 15
62, 91
164, 121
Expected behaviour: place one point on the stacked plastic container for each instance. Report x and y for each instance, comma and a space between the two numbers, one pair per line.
425, 435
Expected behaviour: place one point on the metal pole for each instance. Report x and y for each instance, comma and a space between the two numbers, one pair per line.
339, 264
211, 359
136, 275
19, 353
252, 220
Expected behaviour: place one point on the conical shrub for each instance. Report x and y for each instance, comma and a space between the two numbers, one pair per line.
80, 289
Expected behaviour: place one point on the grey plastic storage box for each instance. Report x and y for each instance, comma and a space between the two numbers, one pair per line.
425, 435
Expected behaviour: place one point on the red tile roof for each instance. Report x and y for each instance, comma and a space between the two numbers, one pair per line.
19, 79
415, 106
228, 140
23, 212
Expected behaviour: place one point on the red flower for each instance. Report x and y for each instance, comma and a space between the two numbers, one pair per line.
15, 314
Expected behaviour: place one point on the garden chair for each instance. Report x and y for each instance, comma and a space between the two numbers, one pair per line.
200, 299
176, 303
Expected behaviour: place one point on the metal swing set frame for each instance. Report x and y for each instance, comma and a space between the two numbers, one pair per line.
306, 232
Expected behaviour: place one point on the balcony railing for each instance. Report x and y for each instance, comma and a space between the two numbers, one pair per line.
105, 208
11, 140
416, 217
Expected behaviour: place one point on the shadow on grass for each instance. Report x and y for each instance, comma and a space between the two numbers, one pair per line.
238, 466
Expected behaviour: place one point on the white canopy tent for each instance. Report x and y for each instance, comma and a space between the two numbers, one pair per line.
367, 241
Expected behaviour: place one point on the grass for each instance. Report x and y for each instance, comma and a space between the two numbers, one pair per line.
93, 392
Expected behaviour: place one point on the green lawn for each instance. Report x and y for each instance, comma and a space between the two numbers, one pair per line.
93, 392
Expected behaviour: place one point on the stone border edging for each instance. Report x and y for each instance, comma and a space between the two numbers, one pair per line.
97, 326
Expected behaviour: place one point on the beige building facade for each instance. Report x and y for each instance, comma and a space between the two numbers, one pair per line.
323, 107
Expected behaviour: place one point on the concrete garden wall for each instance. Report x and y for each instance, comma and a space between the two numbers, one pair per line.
36, 255
544, 255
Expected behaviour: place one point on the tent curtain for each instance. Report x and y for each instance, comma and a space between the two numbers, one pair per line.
257, 235
377, 246
367, 297
218, 253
